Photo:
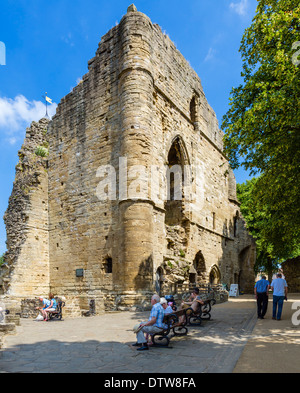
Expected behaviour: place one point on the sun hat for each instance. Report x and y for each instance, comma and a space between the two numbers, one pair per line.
137, 327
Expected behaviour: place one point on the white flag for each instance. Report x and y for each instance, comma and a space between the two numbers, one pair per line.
48, 100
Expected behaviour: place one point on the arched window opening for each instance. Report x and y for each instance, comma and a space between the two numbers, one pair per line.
175, 182
193, 109
235, 224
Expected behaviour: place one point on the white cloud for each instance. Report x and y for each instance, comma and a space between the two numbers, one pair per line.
68, 39
17, 114
210, 55
240, 8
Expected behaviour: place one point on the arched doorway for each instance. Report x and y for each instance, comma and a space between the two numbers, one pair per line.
158, 280
214, 275
197, 271
246, 272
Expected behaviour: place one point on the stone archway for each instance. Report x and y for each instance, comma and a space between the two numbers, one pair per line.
244, 268
215, 275
197, 271
158, 280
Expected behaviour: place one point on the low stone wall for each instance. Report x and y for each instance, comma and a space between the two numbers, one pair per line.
28, 308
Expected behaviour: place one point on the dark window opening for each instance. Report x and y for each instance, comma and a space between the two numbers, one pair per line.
108, 265
193, 110
175, 182
235, 222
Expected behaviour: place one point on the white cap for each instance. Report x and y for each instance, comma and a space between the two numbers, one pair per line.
163, 300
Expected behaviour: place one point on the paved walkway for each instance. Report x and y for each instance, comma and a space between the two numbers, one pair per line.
232, 341
274, 346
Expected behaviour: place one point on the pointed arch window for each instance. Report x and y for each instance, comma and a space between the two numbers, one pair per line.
175, 182
193, 109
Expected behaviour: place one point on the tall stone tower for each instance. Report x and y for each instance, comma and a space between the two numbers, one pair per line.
140, 196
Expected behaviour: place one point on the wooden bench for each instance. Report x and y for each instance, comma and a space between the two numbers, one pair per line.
202, 312
162, 339
57, 314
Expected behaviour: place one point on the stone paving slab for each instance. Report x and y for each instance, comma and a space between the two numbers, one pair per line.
102, 344
274, 346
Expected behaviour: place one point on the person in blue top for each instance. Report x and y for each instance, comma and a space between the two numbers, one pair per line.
261, 291
167, 308
279, 288
50, 307
154, 325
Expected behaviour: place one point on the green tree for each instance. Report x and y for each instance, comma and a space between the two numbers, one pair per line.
257, 218
262, 125
1, 259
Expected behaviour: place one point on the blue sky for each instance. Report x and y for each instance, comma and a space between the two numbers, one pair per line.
48, 44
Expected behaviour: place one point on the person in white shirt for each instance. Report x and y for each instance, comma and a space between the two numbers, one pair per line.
279, 288
167, 309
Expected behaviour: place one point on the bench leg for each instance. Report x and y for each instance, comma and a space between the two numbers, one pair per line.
195, 320
160, 341
180, 330
206, 316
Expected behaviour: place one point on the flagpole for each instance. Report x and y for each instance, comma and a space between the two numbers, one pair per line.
46, 105
47, 99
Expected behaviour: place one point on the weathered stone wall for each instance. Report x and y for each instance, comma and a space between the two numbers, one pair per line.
138, 111
83, 136
139, 96
26, 269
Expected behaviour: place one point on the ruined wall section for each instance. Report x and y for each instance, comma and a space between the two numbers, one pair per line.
178, 83
25, 273
83, 138
182, 111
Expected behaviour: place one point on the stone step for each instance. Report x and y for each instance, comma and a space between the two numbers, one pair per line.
7, 328
10, 318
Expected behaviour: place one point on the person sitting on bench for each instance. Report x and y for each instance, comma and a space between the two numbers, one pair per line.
167, 309
154, 325
194, 301
51, 307
46, 303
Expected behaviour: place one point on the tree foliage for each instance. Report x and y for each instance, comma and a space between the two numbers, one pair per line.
262, 125
257, 219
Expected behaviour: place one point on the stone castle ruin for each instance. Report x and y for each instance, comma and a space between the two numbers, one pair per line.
126, 191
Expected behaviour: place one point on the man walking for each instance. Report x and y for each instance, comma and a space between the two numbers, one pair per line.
261, 291
279, 288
